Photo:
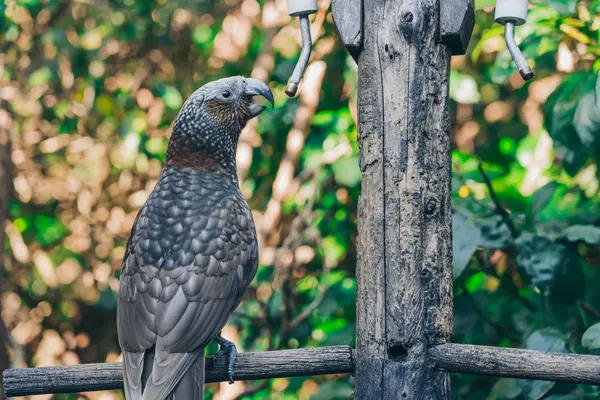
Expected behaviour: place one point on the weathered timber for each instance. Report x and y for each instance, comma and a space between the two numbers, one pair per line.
517, 363
458, 358
249, 366
404, 270
348, 17
457, 20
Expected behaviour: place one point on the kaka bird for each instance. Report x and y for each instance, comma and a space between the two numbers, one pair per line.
192, 251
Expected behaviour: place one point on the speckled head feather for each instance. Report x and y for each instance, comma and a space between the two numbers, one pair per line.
207, 129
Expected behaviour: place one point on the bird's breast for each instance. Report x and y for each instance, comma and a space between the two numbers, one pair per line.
195, 220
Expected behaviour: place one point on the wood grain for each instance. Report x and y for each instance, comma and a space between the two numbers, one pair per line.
517, 363
404, 272
449, 357
249, 366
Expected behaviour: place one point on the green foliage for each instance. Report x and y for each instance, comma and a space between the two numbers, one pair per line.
529, 282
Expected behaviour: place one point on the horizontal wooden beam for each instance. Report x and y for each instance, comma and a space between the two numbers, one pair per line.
458, 358
517, 363
249, 366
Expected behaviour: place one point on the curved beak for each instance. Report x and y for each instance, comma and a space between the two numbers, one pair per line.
254, 87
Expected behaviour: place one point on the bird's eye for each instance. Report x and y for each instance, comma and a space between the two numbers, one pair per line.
227, 94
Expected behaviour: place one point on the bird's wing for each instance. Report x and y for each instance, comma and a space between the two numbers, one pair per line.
197, 300
190, 258
135, 313
187, 266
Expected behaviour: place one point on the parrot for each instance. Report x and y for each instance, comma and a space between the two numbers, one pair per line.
192, 251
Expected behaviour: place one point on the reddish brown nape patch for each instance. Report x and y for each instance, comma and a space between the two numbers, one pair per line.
198, 160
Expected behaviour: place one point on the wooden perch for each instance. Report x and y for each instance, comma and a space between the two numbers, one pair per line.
459, 358
249, 366
517, 363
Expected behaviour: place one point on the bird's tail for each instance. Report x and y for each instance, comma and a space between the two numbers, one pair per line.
176, 376
191, 385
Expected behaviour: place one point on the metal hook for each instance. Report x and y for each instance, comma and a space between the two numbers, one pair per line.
292, 87
515, 52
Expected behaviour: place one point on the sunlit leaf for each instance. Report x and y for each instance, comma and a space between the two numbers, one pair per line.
588, 233
172, 98
542, 197
591, 337
466, 236
40, 77
346, 171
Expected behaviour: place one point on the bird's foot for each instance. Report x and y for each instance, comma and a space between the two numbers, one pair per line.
227, 348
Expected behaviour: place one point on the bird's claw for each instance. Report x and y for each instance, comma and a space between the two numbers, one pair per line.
227, 348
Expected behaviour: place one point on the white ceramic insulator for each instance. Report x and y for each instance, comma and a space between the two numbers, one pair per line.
301, 7
509, 10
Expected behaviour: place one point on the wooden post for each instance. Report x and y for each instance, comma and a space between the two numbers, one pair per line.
404, 271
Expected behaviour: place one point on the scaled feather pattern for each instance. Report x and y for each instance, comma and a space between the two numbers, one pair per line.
193, 249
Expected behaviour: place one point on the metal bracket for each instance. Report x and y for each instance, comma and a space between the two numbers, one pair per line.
348, 18
457, 20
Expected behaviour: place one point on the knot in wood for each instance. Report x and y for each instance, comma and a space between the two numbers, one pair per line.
430, 206
407, 22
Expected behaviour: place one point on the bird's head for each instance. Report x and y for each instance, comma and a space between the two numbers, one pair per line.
209, 123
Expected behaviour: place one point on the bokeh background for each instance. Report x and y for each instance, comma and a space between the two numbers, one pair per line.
88, 92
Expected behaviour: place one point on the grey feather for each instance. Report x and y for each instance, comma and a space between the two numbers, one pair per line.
192, 251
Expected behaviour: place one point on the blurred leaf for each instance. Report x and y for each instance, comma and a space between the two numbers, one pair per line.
334, 249
40, 77
172, 98
276, 303
587, 118
549, 265
576, 395
479, 4
108, 300
535, 390
542, 197
49, 230
591, 337
466, 236
564, 7
598, 90
494, 233
546, 339
560, 110
333, 390
463, 88
201, 34
588, 233
346, 171
28, 3
505, 389
323, 118
540, 258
